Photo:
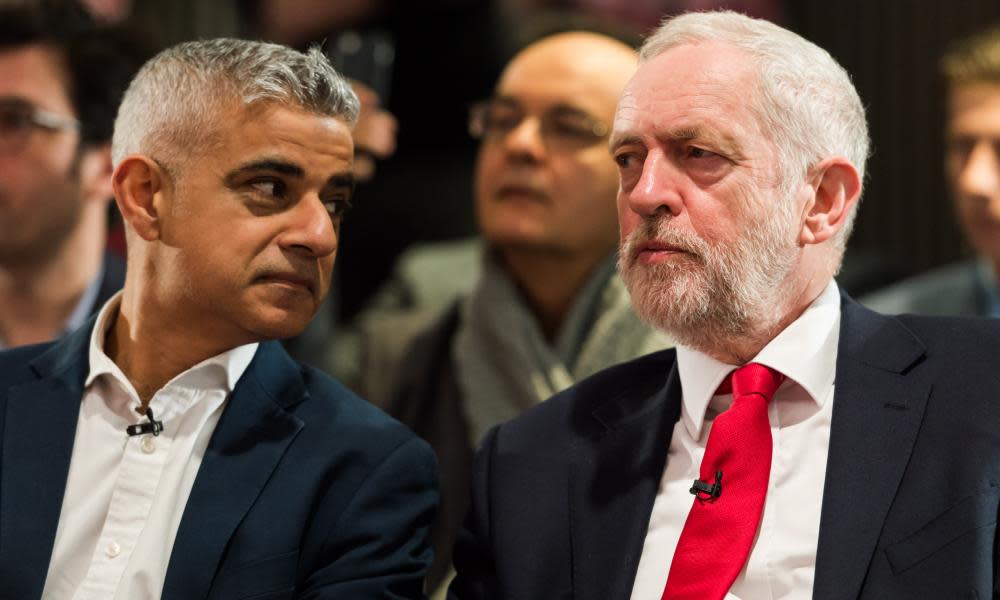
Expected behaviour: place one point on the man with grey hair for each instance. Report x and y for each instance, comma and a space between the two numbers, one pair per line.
794, 444
170, 448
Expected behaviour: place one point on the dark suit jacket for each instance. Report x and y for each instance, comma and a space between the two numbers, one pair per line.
562, 495
305, 490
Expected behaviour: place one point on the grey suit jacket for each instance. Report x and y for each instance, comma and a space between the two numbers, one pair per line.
959, 289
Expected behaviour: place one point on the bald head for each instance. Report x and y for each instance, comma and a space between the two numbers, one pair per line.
544, 179
599, 66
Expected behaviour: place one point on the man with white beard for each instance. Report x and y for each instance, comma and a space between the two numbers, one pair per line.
794, 444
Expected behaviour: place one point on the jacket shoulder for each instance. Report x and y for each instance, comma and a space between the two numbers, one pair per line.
343, 416
949, 290
15, 363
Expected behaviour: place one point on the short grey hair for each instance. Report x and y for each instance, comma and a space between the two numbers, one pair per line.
806, 102
173, 103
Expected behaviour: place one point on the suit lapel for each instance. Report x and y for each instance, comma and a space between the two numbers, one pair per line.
249, 441
38, 431
613, 483
878, 407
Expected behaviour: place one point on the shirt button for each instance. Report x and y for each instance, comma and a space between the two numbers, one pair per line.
113, 549
148, 445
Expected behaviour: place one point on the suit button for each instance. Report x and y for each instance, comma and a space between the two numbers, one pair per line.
113, 549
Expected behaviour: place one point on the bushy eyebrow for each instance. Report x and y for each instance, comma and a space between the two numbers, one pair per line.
341, 180
284, 167
724, 142
618, 140
270, 165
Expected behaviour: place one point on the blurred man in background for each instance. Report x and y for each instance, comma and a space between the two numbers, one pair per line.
61, 80
548, 308
972, 165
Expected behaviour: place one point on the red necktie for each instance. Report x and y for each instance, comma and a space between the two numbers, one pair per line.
720, 528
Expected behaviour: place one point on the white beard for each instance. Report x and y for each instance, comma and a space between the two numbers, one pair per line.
712, 293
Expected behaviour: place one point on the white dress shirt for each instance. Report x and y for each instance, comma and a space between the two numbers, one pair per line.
783, 557
125, 495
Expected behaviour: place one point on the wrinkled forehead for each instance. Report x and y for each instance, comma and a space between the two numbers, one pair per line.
707, 84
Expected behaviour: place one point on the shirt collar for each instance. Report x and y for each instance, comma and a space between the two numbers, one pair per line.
221, 371
805, 352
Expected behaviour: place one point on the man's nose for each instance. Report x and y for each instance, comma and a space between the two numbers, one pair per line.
525, 140
657, 189
311, 228
980, 175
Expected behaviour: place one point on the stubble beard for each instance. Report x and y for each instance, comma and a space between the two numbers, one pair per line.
711, 296
28, 245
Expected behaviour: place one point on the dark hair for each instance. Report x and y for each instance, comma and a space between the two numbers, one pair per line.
974, 59
99, 60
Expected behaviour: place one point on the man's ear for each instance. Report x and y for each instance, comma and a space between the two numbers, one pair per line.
834, 189
139, 184
95, 174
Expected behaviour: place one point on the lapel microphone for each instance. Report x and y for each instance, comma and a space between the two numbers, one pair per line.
706, 492
152, 426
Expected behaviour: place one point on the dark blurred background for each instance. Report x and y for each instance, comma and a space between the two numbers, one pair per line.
445, 54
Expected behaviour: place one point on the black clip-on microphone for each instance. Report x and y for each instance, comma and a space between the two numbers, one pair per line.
705, 492
153, 426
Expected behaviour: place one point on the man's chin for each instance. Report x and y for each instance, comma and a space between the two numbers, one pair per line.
276, 331
278, 324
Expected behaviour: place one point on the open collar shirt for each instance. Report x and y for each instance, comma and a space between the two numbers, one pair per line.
782, 560
124, 495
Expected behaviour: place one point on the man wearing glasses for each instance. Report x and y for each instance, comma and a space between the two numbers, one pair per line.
548, 308
60, 83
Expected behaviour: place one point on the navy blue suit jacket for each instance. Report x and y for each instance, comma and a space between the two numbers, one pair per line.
562, 495
305, 490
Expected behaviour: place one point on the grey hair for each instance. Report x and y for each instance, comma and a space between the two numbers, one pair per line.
806, 102
173, 103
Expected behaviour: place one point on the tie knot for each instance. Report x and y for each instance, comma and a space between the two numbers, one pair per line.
751, 378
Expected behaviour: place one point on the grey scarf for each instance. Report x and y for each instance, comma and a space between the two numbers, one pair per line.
504, 363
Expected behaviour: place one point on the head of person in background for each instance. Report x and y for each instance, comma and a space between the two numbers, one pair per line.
61, 79
971, 70
547, 307
544, 184
972, 75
